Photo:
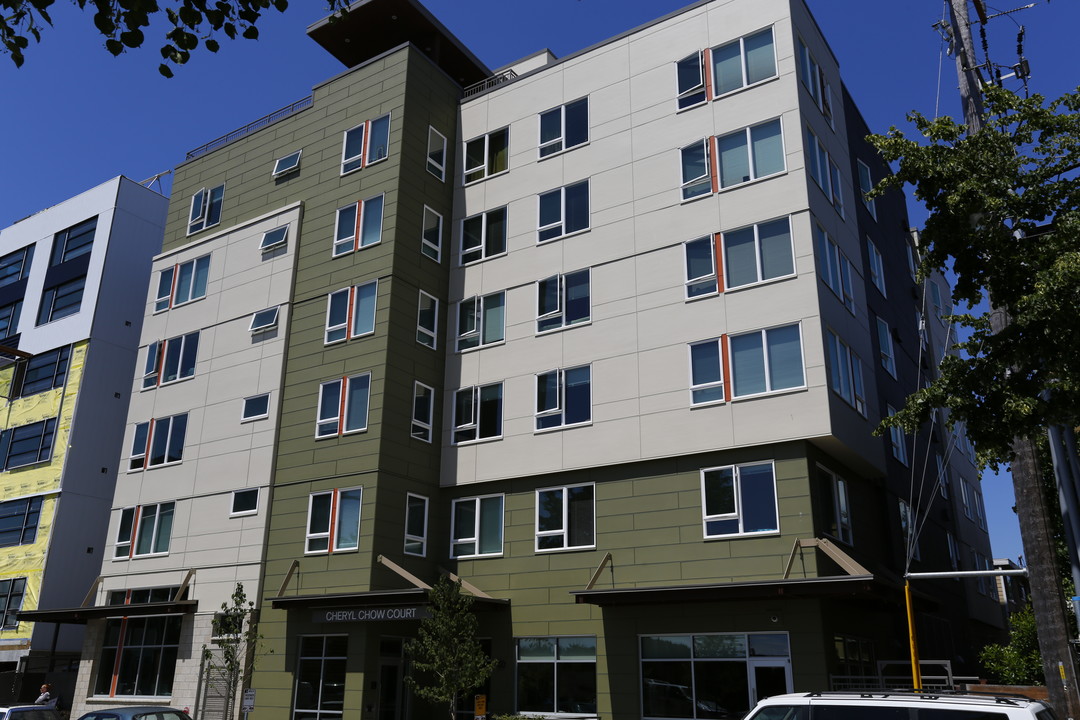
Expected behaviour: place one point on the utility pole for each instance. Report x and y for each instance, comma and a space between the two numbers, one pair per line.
1047, 598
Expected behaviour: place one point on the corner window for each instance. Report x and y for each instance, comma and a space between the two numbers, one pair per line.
477, 413
834, 268
845, 370
365, 144
908, 531
74, 242
274, 238
256, 407
706, 373
158, 442
205, 209
343, 406
264, 320
897, 441
562, 301
27, 444
813, 79
9, 319
427, 320
866, 184
483, 236
700, 267
477, 526
743, 62
751, 153
350, 312
566, 518
564, 127
758, 253
487, 155
943, 476
416, 525
333, 521
739, 500
766, 361
42, 372
885, 347
244, 502
954, 551
12, 591
697, 172
16, 266
564, 211
61, 300
837, 507
690, 81
423, 411
170, 360
877, 266
287, 164
436, 153
564, 397
481, 321
144, 530
556, 675
358, 226
19, 521
182, 283
431, 237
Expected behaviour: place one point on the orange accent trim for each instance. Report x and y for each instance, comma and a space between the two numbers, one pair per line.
119, 647
714, 170
349, 312
367, 138
725, 369
718, 239
359, 216
333, 518
149, 437
159, 366
341, 405
172, 290
706, 59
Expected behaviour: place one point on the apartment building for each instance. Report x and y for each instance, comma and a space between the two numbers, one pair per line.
605, 336
71, 278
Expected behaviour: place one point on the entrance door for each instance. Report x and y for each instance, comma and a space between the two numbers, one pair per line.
392, 696
769, 677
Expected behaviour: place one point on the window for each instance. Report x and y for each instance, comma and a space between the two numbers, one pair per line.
358, 225
477, 526
9, 319
846, 372
42, 372
562, 301
264, 320
436, 153
739, 500
245, 502
885, 347
481, 321
565, 517
980, 508
350, 312
170, 360
563, 397
416, 520
824, 170
487, 155
564, 127
478, 413
682, 674
697, 170
62, 300
866, 184
896, 439
182, 283
751, 153
16, 266
162, 439
205, 208
954, 550
877, 266
74, 242
838, 509
935, 299
943, 476
813, 79
427, 320
320, 677
274, 238
138, 654
564, 211
287, 164
144, 530
700, 267
343, 406
743, 62
556, 675
431, 239
834, 268
706, 373
908, 531
690, 81
758, 253
966, 499
365, 144
19, 521
423, 410
766, 360
11, 597
836, 188
27, 444
334, 513
483, 236
256, 407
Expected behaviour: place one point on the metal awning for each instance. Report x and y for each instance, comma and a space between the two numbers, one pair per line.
81, 615
373, 598
850, 585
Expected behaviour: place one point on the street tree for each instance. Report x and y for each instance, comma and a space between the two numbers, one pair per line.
446, 653
230, 659
1017, 662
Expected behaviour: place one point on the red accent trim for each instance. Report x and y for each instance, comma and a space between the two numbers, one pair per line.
714, 171
172, 290
333, 518
367, 139
159, 364
341, 406
706, 60
718, 251
359, 215
349, 312
119, 648
134, 531
727, 373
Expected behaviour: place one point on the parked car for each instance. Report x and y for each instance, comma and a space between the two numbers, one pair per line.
29, 712
138, 712
900, 705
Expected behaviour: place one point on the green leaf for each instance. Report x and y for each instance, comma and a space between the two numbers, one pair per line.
165, 70
131, 38
114, 46
251, 32
211, 45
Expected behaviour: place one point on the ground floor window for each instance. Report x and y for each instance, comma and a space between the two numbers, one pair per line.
138, 654
711, 676
556, 675
320, 677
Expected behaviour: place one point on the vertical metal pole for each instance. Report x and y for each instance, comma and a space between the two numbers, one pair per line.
968, 77
916, 670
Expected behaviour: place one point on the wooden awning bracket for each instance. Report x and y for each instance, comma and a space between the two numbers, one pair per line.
599, 569
91, 594
834, 553
473, 590
288, 577
408, 576
184, 585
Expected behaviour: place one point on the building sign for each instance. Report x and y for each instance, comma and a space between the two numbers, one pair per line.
371, 614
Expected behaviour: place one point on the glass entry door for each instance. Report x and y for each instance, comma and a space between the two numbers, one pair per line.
769, 677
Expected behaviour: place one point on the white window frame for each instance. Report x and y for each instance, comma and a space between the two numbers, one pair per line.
344, 244
835, 269
767, 362
244, 417
739, 514
885, 345
332, 534
716, 94
750, 157
472, 422
427, 336
484, 170
813, 79
264, 320
475, 538
413, 538
136, 528
158, 351
703, 280
480, 322
846, 370
712, 384
422, 425
166, 298
701, 185
559, 141
866, 184
560, 224
342, 416
352, 314
364, 158
689, 97
205, 209
760, 272
877, 266
485, 224
436, 159
429, 249
560, 311
897, 438
283, 165
841, 506
560, 409
232, 506
275, 237
563, 532
908, 530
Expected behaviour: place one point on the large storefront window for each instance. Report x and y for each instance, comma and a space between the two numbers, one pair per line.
556, 675
711, 676
138, 654
320, 678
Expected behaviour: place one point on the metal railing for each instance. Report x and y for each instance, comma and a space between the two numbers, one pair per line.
250, 127
498, 79
895, 682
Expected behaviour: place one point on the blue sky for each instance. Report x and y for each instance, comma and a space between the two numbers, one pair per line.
74, 116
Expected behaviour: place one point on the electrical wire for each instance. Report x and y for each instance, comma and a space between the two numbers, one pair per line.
941, 60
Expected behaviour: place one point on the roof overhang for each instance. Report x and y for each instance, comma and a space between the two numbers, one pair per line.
81, 615
371, 27
373, 598
843, 585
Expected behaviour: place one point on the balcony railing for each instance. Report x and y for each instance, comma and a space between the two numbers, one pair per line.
250, 127
499, 79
